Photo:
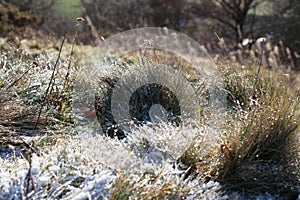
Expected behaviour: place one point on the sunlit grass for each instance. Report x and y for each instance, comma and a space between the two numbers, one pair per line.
262, 145
260, 148
256, 150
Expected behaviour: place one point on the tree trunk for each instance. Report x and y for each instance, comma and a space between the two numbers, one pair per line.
239, 33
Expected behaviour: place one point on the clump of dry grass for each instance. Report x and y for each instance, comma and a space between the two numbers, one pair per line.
260, 148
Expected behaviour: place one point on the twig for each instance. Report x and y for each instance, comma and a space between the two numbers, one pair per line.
142, 57
259, 67
222, 47
18, 79
50, 82
94, 31
79, 22
29, 177
70, 59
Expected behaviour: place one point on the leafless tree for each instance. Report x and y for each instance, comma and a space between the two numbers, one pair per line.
114, 15
232, 13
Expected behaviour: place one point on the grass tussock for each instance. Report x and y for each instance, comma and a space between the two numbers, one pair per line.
260, 148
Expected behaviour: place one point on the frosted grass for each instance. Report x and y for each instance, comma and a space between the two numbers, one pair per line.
88, 165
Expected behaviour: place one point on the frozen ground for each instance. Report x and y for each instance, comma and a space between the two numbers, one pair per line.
90, 167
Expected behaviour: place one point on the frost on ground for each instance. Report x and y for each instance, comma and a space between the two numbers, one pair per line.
63, 170
92, 166
89, 166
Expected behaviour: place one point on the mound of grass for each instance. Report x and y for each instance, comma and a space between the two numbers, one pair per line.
259, 152
262, 146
